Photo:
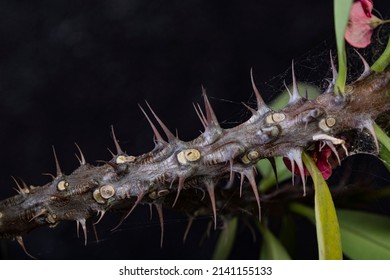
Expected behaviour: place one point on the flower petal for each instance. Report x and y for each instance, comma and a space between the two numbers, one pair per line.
322, 162
359, 30
367, 6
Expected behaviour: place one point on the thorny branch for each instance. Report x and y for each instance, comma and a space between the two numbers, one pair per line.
178, 174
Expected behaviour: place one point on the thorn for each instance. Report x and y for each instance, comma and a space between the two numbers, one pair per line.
262, 108
288, 90
368, 125
19, 190
25, 187
230, 183
120, 223
253, 111
83, 224
159, 139
210, 189
301, 172
296, 156
334, 140
210, 115
81, 158
367, 68
58, 168
78, 229
251, 177
295, 92
167, 132
49, 174
321, 145
330, 86
101, 213
273, 165
231, 178
21, 243
334, 71
190, 221
179, 188
202, 114
203, 193
116, 142
161, 218
201, 117
241, 182
139, 199
112, 154
333, 148
40, 213
95, 233
292, 169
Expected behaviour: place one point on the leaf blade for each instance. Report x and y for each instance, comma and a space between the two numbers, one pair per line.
327, 226
226, 240
341, 16
271, 248
364, 235
383, 61
384, 141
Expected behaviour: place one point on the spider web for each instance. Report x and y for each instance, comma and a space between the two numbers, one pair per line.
313, 70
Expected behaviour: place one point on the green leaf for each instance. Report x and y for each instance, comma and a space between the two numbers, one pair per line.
226, 240
384, 142
341, 15
303, 210
271, 248
364, 235
328, 232
382, 136
383, 60
288, 234
384, 145
384, 154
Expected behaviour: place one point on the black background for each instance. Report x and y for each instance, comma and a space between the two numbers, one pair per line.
70, 69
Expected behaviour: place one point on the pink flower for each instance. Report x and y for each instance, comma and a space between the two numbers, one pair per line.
322, 162
361, 24
321, 158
